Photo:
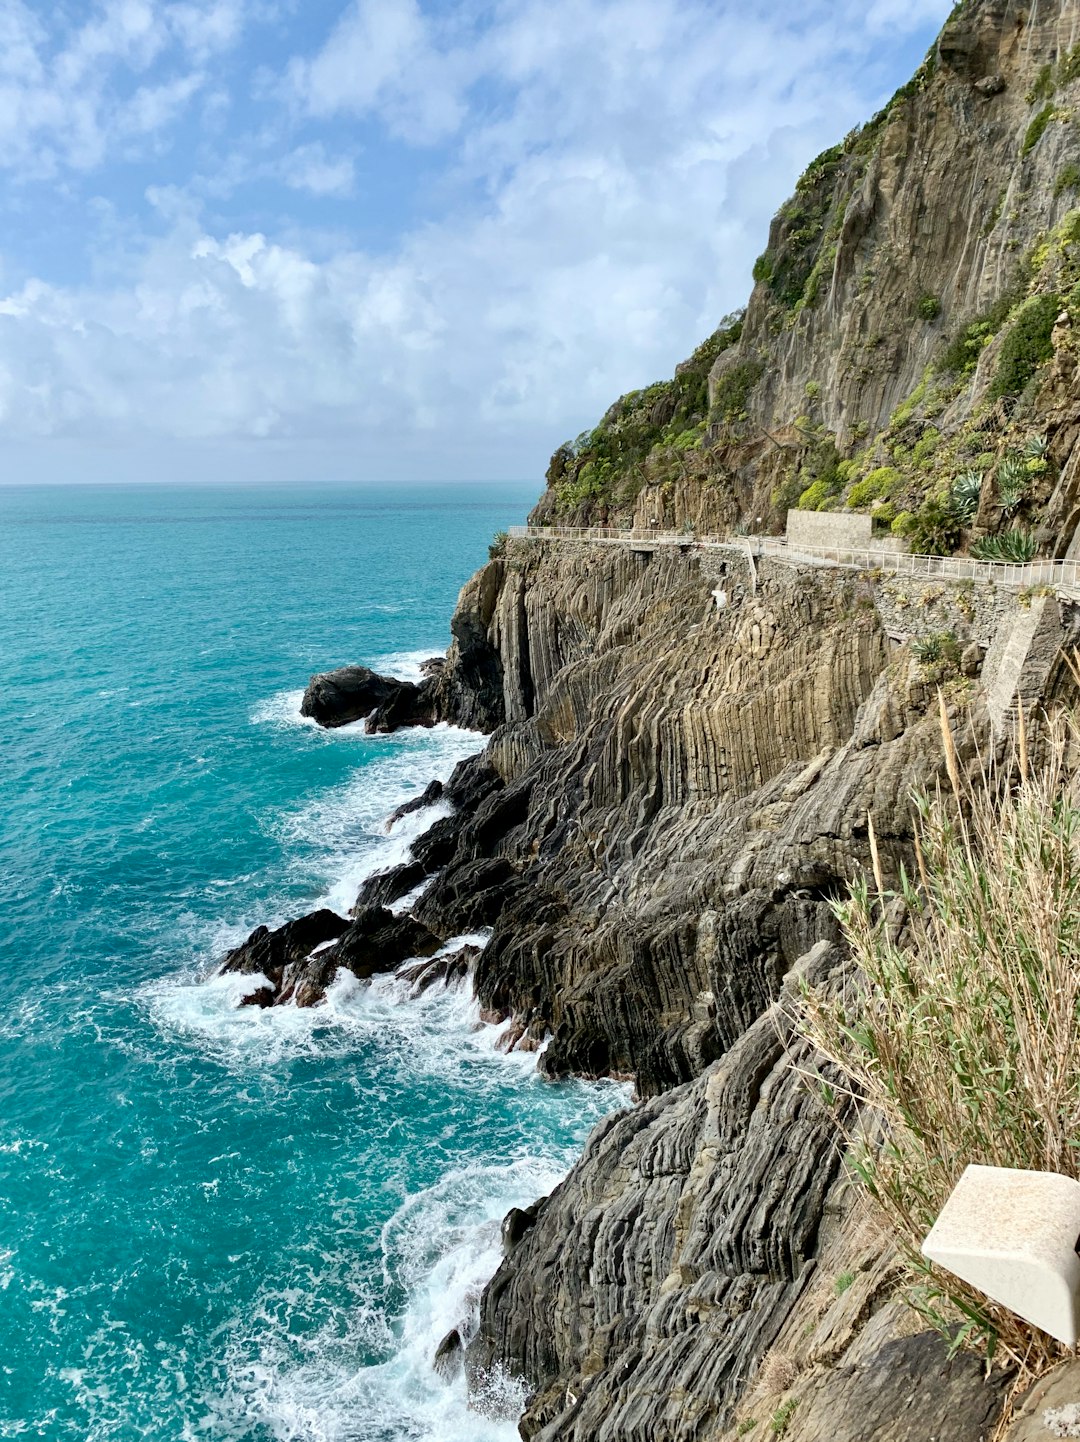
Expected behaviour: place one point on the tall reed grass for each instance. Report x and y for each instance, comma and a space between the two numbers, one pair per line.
961, 1030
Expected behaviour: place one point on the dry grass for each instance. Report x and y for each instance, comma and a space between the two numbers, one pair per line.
963, 1035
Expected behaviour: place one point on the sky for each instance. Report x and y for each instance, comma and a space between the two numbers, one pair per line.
311, 240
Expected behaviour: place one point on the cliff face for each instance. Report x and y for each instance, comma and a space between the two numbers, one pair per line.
675, 791
680, 790
908, 287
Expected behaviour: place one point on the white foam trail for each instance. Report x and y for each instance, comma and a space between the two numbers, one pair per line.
405, 665
348, 823
282, 709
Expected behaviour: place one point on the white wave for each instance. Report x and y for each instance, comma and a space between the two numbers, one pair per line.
348, 824
440, 1247
282, 709
405, 665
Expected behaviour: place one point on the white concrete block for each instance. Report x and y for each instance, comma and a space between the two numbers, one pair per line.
1013, 1235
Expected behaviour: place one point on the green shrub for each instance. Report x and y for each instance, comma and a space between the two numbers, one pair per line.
1027, 345
902, 523
817, 496
843, 1283
932, 530
1036, 129
961, 355
878, 483
1068, 178
1069, 66
960, 1033
929, 307
926, 447
964, 495
1043, 87
1012, 483
733, 391
1015, 544
782, 1416
497, 547
941, 646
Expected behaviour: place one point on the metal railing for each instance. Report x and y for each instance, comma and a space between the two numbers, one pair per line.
957, 568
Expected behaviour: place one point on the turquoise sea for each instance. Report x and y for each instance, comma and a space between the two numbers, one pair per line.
219, 1223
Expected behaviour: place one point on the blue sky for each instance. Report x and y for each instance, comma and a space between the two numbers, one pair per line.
389, 239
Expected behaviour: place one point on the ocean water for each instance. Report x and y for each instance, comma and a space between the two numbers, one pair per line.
223, 1223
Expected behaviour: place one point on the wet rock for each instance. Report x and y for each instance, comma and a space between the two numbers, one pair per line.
335, 698
449, 1356
428, 797
516, 1223
386, 887
376, 941
423, 975
269, 952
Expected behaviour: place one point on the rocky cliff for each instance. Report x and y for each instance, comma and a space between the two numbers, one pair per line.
675, 791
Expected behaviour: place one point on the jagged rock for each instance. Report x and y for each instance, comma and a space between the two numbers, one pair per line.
431, 794
386, 887
449, 1356
269, 952
658, 1273
335, 698
516, 1223
907, 1391
375, 941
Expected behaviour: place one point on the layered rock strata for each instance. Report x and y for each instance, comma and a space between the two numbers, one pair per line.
673, 795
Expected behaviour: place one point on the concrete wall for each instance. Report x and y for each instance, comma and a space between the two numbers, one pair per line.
829, 528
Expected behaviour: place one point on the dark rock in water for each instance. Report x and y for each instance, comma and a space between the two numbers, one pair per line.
516, 1223
423, 975
438, 843
269, 952
449, 1356
334, 698
428, 797
389, 886
433, 666
375, 942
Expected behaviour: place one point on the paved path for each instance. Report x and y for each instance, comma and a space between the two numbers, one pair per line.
1062, 576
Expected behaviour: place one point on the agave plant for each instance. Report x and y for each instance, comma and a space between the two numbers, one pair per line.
964, 495
1035, 448
1012, 483
1015, 544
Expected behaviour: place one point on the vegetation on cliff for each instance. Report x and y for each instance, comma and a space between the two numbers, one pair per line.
960, 1031
857, 379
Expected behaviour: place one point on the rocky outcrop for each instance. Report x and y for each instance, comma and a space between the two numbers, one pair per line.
674, 795
299, 961
355, 693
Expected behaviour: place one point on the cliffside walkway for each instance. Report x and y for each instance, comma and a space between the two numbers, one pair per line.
1058, 575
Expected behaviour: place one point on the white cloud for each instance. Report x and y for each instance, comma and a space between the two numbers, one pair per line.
612, 166
308, 167
385, 56
69, 91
